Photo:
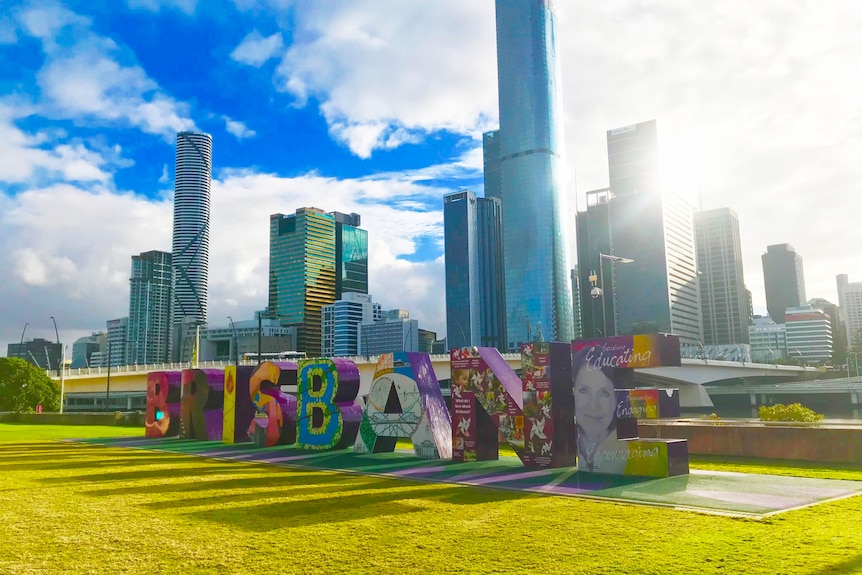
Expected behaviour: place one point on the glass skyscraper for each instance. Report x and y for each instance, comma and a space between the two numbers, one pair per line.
633, 219
351, 247
190, 249
314, 257
149, 308
531, 144
475, 292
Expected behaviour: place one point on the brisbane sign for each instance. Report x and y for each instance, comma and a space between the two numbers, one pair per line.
572, 405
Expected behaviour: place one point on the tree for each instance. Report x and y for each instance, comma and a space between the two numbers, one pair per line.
23, 386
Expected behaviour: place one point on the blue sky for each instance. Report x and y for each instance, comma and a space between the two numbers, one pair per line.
377, 107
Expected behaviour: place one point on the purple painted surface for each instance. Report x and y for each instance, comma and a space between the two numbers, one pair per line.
214, 423
433, 404
348, 381
507, 377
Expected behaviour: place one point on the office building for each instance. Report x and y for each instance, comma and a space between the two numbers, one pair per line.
724, 299
190, 248
241, 339
314, 257
117, 352
633, 159
532, 160
784, 280
475, 287
341, 321
491, 164
85, 350
768, 340
637, 247
594, 238
395, 331
148, 340
351, 255
39, 352
850, 302
809, 334
839, 334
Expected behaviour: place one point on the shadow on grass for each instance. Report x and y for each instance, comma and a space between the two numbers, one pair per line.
852, 565
390, 497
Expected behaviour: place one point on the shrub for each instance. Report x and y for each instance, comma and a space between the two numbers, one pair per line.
792, 412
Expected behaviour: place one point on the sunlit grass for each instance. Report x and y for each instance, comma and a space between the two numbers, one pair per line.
71, 508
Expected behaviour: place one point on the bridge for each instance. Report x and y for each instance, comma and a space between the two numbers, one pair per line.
125, 387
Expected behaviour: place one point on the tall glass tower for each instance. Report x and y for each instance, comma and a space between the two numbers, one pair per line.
149, 308
531, 140
191, 241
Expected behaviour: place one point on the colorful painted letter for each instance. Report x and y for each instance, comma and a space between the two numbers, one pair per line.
405, 401
163, 403
202, 404
255, 407
606, 417
327, 413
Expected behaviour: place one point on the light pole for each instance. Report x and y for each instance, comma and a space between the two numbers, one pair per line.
235, 342
600, 290
57, 333
21, 345
855, 355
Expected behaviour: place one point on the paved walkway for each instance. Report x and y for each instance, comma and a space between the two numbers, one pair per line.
742, 494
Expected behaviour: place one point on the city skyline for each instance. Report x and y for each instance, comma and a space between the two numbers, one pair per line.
335, 100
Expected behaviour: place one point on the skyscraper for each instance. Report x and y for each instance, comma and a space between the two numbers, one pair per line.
302, 272
475, 292
636, 220
724, 300
314, 257
850, 301
190, 249
531, 143
784, 280
149, 308
351, 250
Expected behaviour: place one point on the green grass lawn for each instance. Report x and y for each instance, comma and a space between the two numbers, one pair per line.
71, 508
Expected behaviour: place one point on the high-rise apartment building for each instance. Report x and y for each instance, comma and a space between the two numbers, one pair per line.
724, 299
475, 292
314, 257
784, 280
531, 152
148, 338
658, 291
116, 354
190, 248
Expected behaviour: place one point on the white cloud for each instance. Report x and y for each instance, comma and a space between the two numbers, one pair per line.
386, 72
93, 79
165, 177
27, 158
237, 128
255, 49
187, 6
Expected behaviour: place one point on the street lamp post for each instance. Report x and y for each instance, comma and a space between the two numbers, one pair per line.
235, 342
600, 290
21, 345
